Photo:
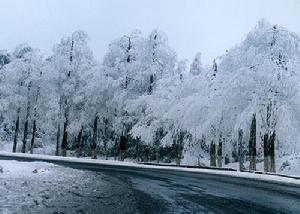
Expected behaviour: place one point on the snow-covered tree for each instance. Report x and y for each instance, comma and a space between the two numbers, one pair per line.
196, 67
141, 102
71, 58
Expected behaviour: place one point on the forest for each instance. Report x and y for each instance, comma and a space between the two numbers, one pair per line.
142, 103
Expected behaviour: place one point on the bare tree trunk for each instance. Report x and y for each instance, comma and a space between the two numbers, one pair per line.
57, 139
157, 155
266, 153
213, 154
64, 144
25, 136
241, 150
220, 152
269, 141
34, 121
16, 131
33, 136
122, 147
138, 149
177, 148
151, 84
79, 140
26, 120
272, 152
105, 149
116, 148
58, 127
105, 137
252, 144
178, 143
157, 141
94, 141
177, 158
146, 153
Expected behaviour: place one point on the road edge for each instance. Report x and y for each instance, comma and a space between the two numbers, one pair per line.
261, 176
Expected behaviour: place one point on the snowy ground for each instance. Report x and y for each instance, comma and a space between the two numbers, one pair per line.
113, 163
37, 187
287, 165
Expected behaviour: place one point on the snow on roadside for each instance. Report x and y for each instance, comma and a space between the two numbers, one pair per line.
12, 168
47, 149
290, 165
262, 177
286, 165
40, 187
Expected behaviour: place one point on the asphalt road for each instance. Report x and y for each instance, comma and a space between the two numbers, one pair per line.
167, 191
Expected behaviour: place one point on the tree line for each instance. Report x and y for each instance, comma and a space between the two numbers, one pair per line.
142, 103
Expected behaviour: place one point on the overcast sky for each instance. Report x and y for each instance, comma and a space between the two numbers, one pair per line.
208, 26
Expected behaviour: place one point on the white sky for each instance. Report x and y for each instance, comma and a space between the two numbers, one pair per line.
208, 26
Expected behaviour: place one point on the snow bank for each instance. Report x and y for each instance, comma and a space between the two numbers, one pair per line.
40, 187
12, 168
287, 165
262, 177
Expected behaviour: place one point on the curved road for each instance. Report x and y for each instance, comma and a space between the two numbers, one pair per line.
168, 191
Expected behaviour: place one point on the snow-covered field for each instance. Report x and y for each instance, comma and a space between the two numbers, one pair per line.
38, 187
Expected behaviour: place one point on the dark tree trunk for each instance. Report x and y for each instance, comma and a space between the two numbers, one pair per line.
272, 152
252, 144
33, 136
137, 149
16, 131
25, 136
220, 152
227, 160
123, 146
266, 153
241, 150
94, 141
116, 148
157, 155
158, 136
234, 153
71, 56
26, 120
151, 84
84, 140
79, 140
34, 128
64, 143
58, 127
146, 153
105, 137
57, 139
126, 82
179, 138
215, 70
213, 154
269, 142
105, 148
